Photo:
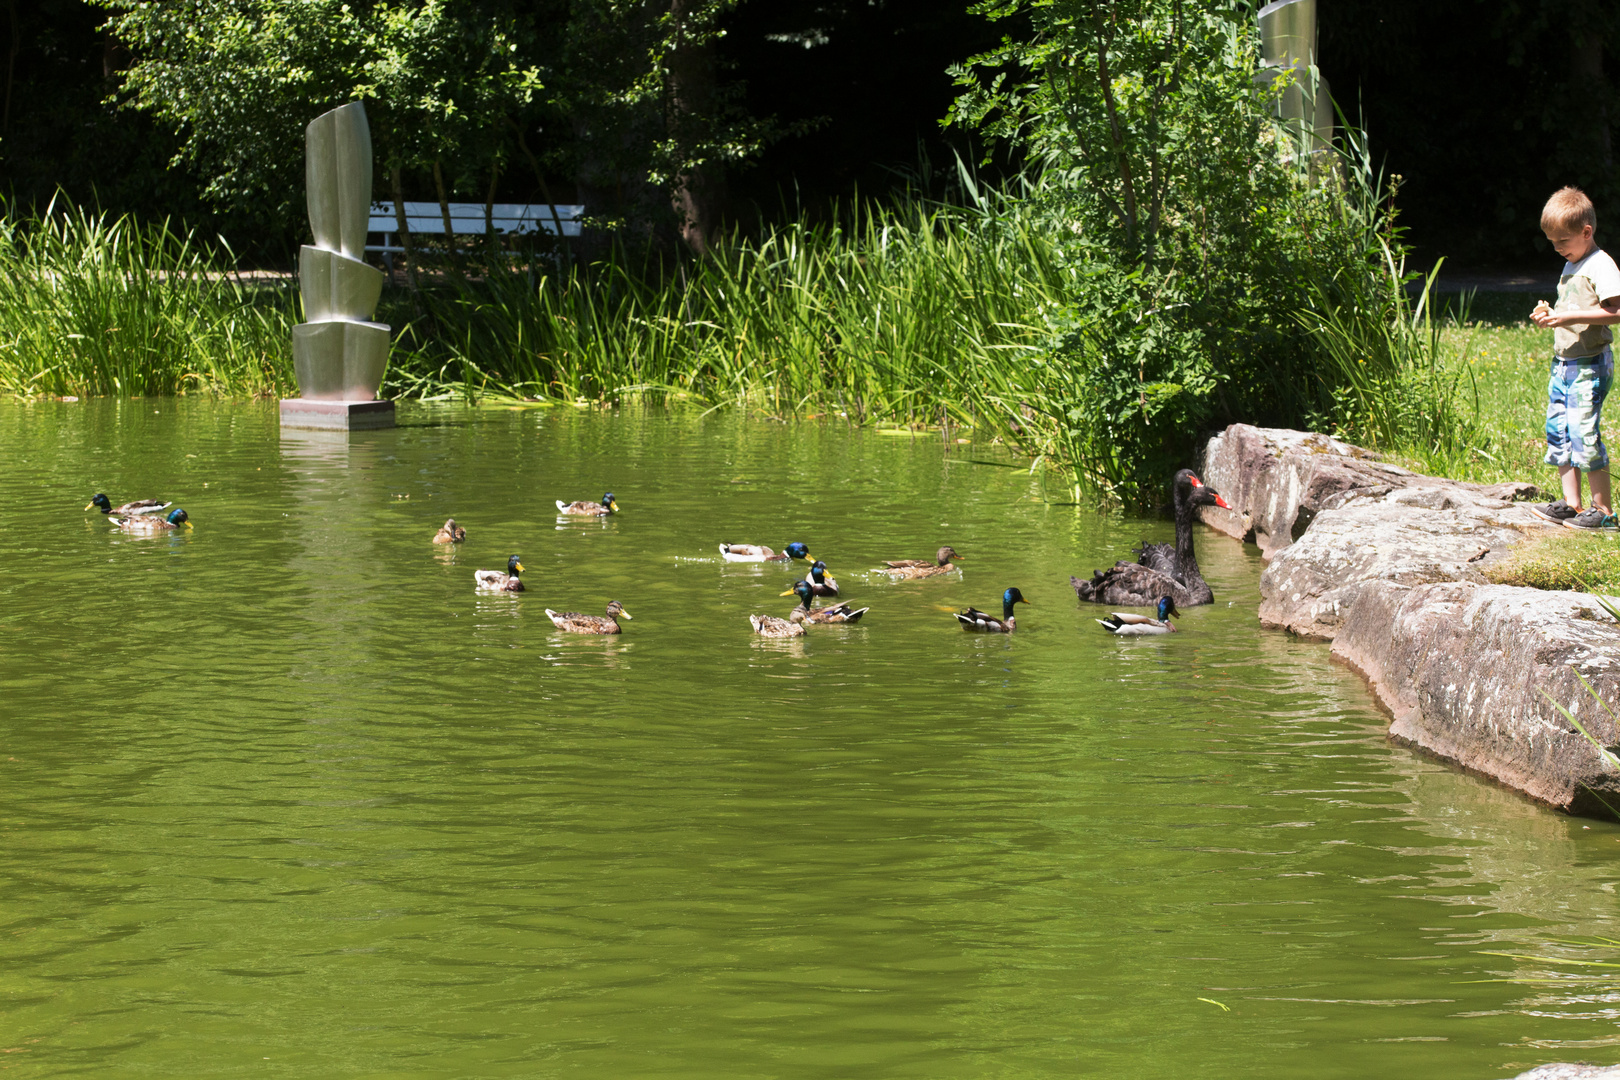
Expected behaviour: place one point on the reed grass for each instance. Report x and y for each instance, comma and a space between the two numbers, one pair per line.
98, 305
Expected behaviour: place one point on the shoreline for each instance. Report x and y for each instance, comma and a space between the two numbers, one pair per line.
1385, 565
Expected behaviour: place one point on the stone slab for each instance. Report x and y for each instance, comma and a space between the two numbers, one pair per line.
1462, 669
1276, 482
336, 415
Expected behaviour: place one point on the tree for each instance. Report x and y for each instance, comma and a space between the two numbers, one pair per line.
239, 79
621, 94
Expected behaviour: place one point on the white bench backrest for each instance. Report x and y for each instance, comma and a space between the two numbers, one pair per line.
468, 218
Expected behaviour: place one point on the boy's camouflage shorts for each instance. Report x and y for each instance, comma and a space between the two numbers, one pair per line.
1575, 393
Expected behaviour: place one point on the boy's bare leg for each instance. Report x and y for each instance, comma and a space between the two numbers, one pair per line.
1569, 478
1597, 481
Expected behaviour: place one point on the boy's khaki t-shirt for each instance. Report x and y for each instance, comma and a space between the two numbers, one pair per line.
1585, 284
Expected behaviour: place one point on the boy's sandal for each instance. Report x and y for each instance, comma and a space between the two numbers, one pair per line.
1556, 512
1594, 520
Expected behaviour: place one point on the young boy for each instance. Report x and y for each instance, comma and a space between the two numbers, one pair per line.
1582, 364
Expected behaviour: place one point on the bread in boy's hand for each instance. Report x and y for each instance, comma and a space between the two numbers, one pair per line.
1541, 306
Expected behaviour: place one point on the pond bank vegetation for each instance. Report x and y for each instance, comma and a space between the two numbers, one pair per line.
1180, 268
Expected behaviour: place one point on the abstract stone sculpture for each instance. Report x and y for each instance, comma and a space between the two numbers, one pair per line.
338, 354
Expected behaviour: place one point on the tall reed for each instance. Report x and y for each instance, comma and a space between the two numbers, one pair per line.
879, 315
92, 304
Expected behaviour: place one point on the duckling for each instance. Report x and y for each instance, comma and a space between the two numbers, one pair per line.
450, 533
771, 626
974, 619
575, 623
1126, 623
761, 553
804, 613
140, 506
820, 583
608, 505
910, 569
495, 581
149, 523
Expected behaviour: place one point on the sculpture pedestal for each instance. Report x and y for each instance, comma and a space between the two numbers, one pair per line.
336, 415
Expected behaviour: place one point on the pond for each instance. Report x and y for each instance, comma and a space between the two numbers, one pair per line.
283, 796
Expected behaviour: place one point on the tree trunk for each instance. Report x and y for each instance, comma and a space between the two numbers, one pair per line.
489, 213
700, 189
1593, 88
11, 64
398, 182
444, 209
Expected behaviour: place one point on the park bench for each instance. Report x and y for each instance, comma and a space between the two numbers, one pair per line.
466, 219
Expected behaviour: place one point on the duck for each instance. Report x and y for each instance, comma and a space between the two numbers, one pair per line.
575, 623
496, 581
820, 583
1160, 569
608, 505
1128, 624
910, 569
983, 622
140, 506
151, 523
804, 613
450, 533
761, 553
771, 626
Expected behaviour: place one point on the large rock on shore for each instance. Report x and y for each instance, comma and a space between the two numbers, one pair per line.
1386, 564
1277, 481
1408, 536
1571, 1072
1463, 669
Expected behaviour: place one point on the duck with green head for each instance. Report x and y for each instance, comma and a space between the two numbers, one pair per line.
805, 613
985, 623
761, 553
820, 583
1130, 624
151, 523
129, 509
608, 505
496, 581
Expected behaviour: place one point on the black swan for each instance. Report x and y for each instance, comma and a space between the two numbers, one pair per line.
1160, 570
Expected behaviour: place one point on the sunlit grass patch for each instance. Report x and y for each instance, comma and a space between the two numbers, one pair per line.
1582, 562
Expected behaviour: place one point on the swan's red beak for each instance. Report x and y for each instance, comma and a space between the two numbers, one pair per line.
1222, 503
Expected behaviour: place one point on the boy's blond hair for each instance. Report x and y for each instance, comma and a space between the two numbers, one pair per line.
1568, 211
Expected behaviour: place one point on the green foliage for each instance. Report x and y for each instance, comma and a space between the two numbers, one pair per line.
241, 78
1219, 272
97, 305
884, 314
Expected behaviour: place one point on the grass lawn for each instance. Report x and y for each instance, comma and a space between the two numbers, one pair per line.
1507, 357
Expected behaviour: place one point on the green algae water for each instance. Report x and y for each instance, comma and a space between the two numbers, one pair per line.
283, 796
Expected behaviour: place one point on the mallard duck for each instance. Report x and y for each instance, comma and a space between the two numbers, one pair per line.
820, 583
450, 533
608, 505
771, 626
575, 623
907, 569
760, 553
974, 619
1128, 624
129, 509
1159, 570
495, 581
804, 613
150, 523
